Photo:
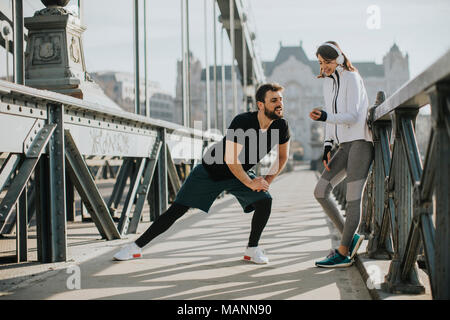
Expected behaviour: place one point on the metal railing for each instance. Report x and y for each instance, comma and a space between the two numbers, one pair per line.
405, 205
46, 135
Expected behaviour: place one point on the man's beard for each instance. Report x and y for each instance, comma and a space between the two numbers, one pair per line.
271, 114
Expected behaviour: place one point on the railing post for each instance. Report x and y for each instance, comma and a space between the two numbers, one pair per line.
403, 188
379, 246
440, 103
372, 216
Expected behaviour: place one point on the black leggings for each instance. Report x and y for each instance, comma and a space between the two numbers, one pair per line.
176, 211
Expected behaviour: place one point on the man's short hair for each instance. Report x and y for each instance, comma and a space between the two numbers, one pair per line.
262, 90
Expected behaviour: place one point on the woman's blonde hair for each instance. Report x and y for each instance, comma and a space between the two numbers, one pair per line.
329, 54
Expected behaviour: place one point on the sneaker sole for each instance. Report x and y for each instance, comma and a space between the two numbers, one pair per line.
248, 258
358, 244
341, 265
135, 256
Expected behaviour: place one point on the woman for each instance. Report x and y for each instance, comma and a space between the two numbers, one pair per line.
345, 113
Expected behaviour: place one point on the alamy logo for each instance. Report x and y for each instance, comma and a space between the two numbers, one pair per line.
74, 280
374, 20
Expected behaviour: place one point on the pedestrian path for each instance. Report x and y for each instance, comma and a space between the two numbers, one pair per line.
200, 257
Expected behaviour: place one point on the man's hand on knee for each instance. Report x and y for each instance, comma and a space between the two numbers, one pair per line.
258, 184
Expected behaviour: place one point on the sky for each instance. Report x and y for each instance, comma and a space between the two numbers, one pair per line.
365, 30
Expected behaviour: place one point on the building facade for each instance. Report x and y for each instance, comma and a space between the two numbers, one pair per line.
119, 86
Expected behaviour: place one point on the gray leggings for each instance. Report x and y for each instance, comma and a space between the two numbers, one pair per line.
352, 160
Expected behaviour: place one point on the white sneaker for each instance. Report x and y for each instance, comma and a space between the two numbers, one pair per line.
256, 255
129, 252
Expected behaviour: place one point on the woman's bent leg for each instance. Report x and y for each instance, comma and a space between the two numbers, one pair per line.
359, 161
327, 182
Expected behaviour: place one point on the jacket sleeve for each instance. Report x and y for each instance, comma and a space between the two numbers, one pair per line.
329, 135
354, 88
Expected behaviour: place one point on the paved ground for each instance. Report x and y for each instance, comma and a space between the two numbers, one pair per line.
200, 257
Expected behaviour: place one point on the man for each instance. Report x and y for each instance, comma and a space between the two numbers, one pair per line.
226, 167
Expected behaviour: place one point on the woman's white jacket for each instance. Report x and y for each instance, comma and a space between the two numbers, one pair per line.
346, 105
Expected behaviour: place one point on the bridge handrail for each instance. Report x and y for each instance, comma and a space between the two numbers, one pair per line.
38, 95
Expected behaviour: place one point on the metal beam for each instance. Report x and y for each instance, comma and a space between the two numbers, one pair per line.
172, 172
19, 182
22, 228
233, 55
162, 174
208, 86
440, 111
216, 88
131, 196
402, 220
57, 185
254, 64
146, 93
223, 84
90, 116
8, 168
379, 244
50, 184
144, 188
188, 66
121, 181
88, 191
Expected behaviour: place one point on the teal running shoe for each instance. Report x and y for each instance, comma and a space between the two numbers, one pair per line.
356, 243
335, 260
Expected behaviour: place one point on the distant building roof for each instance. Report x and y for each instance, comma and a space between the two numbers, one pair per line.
283, 55
366, 69
394, 48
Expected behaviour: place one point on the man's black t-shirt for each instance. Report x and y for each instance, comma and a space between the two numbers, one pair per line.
245, 130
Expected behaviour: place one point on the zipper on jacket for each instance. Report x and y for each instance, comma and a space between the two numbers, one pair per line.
336, 85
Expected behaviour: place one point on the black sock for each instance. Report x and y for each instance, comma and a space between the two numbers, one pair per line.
259, 220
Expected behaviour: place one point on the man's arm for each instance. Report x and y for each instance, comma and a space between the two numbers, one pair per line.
232, 151
280, 163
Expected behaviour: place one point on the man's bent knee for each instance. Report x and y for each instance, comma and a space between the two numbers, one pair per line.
267, 202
